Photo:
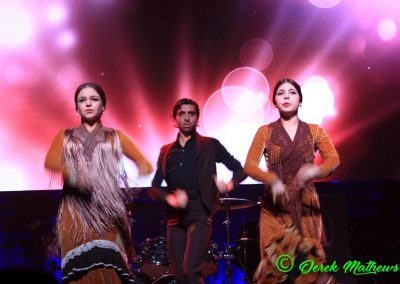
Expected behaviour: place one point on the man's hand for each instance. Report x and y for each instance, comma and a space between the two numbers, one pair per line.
178, 199
222, 186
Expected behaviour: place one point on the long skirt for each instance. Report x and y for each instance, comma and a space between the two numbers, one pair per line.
90, 258
283, 248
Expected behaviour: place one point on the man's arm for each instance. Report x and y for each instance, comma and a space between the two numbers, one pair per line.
155, 191
223, 156
177, 199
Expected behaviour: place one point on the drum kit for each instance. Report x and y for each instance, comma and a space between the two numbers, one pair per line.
154, 263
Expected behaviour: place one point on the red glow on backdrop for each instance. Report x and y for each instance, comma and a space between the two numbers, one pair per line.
226, 55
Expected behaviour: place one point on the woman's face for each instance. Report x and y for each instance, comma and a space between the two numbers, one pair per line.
89, 105
287, 99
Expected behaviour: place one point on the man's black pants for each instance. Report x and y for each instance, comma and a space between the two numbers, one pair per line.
188, 236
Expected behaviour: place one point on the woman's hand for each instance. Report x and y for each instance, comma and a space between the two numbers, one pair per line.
178, 199
278, 188
307, 173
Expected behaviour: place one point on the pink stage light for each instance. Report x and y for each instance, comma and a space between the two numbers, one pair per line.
14, 74
318, 100
369, 12
387, 30
66, 39
16, 26
57, 14
69, 76
357, 45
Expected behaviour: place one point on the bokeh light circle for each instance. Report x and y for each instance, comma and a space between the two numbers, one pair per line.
318, 100
325, 4
242, 100
69, 76
218, 118
256, 53
387, 30
246, 78
57, 14
66, 39
357, 45
16, 26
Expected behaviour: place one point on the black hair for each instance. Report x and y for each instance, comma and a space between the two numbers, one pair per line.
185, 101
290, 81
95, 87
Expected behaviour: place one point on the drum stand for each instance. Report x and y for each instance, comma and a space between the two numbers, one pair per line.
229, 204
243, 260
228, 254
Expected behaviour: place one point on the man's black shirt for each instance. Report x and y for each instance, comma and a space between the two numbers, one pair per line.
180, 167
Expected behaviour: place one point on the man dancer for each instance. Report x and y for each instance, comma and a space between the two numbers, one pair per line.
188, 167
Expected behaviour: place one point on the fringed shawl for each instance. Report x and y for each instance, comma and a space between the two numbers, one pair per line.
94, 172
285, 157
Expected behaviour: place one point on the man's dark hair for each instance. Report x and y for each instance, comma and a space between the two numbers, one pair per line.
185, 101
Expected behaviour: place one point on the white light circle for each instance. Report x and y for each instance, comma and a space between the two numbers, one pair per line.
56, 14
247, 78
11, 177
16, 26
387, 30
318, 100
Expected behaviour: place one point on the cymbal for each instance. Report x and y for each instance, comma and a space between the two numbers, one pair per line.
244, 241
235, 203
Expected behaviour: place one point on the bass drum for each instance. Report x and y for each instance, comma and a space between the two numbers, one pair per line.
166, 279
154, 260
140, 278
154, 257
209, 264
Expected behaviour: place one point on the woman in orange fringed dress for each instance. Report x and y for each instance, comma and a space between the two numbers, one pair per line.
92, 224
290, 220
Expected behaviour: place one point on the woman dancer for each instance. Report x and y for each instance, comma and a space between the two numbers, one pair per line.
290, 220
92, 223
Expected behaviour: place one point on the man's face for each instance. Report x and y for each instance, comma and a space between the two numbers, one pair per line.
186, 119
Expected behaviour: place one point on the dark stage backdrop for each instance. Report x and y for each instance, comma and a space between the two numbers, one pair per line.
361, 220
225, 54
